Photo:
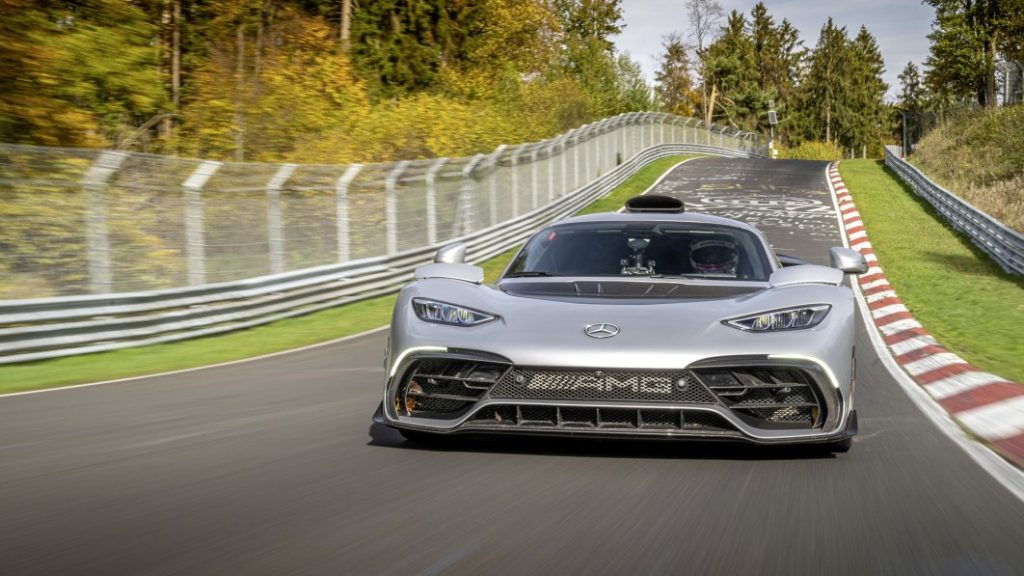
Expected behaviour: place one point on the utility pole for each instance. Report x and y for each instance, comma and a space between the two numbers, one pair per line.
773, 119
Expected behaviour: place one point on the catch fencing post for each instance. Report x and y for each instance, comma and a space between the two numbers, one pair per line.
432, 200
515, 180
275, 221
492, 162
576, 158
551, 169
534, 186
195, 244
341, 211
391, 207
97, 236
589, 144
623, 129
464, 208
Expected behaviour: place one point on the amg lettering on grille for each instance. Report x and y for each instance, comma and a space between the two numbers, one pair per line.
600, 382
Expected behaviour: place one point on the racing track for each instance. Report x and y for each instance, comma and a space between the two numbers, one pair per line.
267, 467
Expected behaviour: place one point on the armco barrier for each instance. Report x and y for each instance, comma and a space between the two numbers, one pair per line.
37, 329
1004, 245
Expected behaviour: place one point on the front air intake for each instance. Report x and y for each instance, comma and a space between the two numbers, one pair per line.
445, 387
766, 396
654, 203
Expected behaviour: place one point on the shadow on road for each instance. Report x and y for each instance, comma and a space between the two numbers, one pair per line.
385, 437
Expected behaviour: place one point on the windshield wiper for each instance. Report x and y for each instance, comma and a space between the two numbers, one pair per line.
530, 274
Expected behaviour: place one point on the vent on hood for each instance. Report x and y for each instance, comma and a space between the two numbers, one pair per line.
654, 203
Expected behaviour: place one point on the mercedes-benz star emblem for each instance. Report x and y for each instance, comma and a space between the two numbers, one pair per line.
601, 330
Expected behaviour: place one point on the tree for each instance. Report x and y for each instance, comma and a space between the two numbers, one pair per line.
731, 70
588, 52
827, 84
968, 39
673, 84
868, 118
911, 89
633, 91
778, 57
76, 77
704, 17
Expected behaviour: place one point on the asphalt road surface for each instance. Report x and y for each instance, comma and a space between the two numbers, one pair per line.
272, 467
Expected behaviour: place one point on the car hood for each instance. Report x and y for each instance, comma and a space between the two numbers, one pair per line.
534, 329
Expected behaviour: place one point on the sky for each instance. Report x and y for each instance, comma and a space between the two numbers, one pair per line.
901, 27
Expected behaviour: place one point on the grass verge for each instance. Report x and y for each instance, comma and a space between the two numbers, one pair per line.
963, 298
274, 337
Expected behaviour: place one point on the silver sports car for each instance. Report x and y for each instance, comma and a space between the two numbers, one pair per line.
653, 322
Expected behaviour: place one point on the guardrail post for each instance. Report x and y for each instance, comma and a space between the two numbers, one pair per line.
195, 243
432, 200
492, 191
96, 233
275, 221
391, 207
341, 211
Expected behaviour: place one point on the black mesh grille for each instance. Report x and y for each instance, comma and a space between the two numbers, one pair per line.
766, 396
549, 384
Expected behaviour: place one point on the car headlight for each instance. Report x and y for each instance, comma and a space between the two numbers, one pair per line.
787, 319
445, 313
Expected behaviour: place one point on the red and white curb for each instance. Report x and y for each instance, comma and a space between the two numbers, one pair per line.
987, 405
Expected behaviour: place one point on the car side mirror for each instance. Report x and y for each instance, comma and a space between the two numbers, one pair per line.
847, 260
451, 254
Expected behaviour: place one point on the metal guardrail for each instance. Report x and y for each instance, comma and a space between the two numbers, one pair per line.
42, 328
1003, 244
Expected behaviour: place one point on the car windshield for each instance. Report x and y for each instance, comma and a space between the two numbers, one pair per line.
653, 249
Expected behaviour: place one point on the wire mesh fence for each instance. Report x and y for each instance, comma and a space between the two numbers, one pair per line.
76, 221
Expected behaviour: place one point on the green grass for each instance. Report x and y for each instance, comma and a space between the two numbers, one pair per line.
963, 298
274, 337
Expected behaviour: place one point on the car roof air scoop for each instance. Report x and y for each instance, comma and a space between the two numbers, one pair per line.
654, 203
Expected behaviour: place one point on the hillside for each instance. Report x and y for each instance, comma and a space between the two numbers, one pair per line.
980, 157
